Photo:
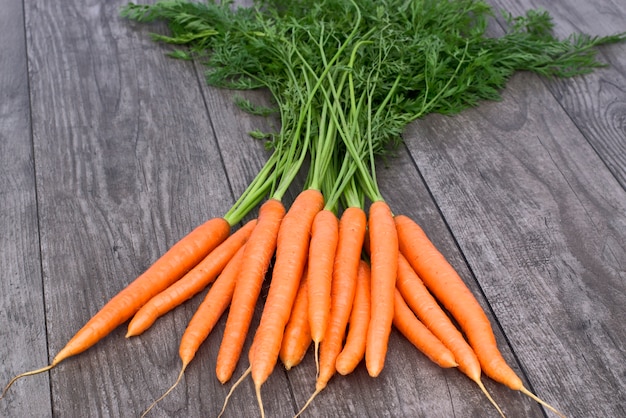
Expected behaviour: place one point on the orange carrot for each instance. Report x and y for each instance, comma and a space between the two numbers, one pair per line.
297, 338
324, 236
291, 256
434, 319
193, 282
430, 314
447, 286
258, 253
208, 313
451, 337
177, 261
383, 243
416, 332
354, 348
211, 309
171, 266
352, 226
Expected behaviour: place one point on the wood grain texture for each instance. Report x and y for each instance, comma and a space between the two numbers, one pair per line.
127, 164
130, 150
22, 323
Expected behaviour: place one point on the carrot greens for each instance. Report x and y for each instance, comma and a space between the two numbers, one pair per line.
400, 61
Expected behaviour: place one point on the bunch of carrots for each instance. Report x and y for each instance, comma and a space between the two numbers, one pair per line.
346, 268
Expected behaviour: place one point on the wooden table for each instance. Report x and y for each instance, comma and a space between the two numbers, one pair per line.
110, 152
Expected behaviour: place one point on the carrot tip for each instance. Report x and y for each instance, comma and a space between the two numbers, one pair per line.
542, 402
308, 402
374, 373
29, 373
136, 328
230, 392
345, 366
167, 392
317, 359
257, 389
493, 402
374, 368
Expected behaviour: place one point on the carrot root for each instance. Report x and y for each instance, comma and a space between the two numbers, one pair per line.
354, 348
322, 248
29, 373
257, 390
541, 401
292, 248
308, 402
167, 392
488, 395
232, 389
317, 358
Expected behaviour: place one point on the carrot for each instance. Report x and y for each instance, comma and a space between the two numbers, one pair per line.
291, 255
354, 347
453, 339
171, 266
297, 338
447, 286
211, 309
189, 285
258, 253
352, 226
324, 236
412, 250
419, 335
443, 328
430, 314
208, 313
383, 243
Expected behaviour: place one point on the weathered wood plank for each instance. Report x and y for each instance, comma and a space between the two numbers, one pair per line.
127, 164
22, 330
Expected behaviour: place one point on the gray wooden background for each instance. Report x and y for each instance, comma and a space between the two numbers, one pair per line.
110, 152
